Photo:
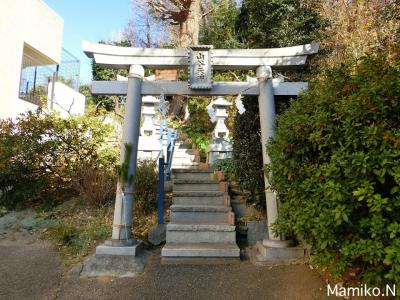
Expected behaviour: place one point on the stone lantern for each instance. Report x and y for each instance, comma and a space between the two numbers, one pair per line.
149, 126
220, 147
149, 145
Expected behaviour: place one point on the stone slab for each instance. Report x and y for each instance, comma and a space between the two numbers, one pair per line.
113, 265
204, 250
193, 171
215, 201
119, 251
199, 193
195, 176
157, 234
185, 187
201, 236
199, 208
256, 231
199, 218
290, 253
200, 227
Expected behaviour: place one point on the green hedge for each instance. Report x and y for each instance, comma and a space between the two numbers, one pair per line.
336, 166
247, 151
42, 155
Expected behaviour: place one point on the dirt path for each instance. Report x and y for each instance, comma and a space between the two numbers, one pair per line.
30, 269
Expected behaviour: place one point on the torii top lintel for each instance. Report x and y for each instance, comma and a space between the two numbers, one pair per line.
222, 59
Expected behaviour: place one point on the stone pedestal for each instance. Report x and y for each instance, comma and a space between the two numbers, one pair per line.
219, 148
149, 143
132, 247
277, 255
149, 147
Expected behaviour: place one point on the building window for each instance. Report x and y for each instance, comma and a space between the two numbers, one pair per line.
36, 73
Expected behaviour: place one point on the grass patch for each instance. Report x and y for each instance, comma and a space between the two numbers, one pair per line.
79, 229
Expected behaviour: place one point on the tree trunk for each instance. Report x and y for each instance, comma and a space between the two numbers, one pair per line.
189, 29
188, 36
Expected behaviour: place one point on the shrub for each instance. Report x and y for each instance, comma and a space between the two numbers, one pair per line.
335, 162
247, 152
40, 154
226, 165
146, 187
96, 184
199, 127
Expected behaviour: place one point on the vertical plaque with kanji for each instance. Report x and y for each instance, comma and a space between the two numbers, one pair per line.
200, 67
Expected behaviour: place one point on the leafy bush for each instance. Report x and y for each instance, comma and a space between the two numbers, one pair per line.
221, 29
247, 152
95, 183
335, 162
146, 187
280, 23
199, 127
226, 165
40, 154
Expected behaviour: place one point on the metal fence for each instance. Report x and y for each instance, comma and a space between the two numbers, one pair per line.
35, 77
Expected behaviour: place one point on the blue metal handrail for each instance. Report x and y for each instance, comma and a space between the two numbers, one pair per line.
164, 167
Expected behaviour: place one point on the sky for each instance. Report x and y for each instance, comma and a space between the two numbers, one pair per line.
91, 20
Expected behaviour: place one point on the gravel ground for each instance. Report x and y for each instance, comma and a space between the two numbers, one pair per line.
30, 269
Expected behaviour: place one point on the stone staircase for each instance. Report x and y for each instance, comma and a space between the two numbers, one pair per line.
184, 156
201, 220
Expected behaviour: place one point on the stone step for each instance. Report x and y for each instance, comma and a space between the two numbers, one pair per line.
198, 170
200, 215
200, 233
183, 166
207, 174
200, 200
196, 185
200, 250
181, 155
201, 227
199, 193
200, 208
182, 161
183, 148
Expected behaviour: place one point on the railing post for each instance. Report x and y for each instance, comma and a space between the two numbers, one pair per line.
169, 146
160, 191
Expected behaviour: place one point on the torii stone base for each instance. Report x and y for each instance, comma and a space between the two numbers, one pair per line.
111, 265
276, 255
121, 250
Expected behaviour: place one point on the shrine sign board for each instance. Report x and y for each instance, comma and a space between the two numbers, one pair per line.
200, 67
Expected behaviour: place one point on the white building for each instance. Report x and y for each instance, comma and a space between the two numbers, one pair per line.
31, 38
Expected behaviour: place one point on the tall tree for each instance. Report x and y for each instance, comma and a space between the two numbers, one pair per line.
356, 28
186, 14
221, 30
277, 23
144, 28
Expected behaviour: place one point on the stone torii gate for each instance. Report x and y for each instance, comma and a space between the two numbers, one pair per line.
201, 61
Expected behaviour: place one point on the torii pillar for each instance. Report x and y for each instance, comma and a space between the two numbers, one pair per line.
273, 246
121, 242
